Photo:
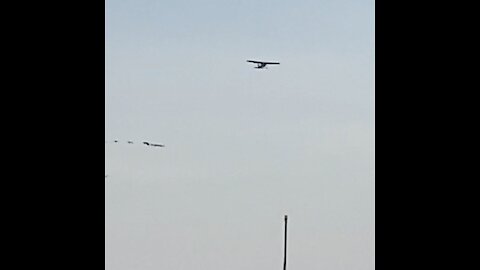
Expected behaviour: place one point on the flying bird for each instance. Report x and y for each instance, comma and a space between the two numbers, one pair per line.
157, 145
153, 144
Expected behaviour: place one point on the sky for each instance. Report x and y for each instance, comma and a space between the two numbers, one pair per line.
244, 147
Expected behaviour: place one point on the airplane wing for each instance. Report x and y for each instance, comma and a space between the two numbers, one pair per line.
266, 63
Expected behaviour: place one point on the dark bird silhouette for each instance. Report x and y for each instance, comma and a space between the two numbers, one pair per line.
153, 144
157, 145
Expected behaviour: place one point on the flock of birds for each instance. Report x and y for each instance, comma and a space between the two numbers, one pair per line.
144, 143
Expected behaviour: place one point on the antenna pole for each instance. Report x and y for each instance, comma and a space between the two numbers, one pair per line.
285, 246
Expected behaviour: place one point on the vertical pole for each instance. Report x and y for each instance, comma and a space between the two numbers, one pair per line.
285, 246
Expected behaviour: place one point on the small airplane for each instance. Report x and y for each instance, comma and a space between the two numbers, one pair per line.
261, 64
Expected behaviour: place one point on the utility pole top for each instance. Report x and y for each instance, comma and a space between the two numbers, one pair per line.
285, 246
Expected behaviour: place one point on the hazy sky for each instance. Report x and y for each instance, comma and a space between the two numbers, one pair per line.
243, 146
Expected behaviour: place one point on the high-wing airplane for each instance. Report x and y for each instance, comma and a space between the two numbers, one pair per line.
261, 64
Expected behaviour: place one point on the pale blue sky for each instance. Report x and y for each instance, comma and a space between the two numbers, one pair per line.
244, 146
